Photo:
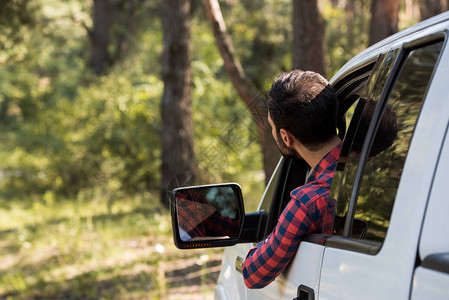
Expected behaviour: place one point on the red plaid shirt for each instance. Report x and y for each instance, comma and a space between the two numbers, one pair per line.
309, 211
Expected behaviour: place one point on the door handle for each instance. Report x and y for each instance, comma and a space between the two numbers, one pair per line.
305, 293
239, 264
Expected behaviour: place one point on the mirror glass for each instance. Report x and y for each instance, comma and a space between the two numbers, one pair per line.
208, 212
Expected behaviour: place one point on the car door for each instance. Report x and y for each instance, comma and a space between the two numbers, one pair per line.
431, 277
303, 272
383, 178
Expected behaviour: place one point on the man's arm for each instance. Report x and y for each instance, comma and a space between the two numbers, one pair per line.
270, 257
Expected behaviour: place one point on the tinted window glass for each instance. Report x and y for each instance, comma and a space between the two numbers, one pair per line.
341, 206
387, 156
349, 159
390, 144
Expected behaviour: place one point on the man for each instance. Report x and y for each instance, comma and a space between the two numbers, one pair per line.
302, 111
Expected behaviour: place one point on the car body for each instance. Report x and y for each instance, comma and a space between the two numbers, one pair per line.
390, 240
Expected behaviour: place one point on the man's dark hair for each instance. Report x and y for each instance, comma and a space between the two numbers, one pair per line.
304, 103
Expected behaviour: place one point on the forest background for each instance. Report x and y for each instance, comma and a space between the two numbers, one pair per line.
107, 105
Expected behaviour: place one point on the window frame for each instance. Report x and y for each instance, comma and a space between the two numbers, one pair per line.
345, 241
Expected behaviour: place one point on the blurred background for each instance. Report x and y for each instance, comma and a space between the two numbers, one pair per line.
107, 105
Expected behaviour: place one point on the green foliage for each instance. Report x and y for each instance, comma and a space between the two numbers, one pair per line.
67, 131
227, 148
105, 136
262, 35
346, 32
16, 16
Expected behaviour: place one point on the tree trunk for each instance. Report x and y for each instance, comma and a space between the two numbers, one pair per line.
350, 18
430, 8
308, 37
253, 98
384, 19
178, 161
100, 35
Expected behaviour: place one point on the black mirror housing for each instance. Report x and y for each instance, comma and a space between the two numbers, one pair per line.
207, 215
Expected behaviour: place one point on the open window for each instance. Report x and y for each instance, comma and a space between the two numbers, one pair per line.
293, 173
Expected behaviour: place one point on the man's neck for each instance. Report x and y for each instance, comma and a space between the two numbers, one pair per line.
314, 157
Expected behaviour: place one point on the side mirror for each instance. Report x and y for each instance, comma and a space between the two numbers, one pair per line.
207, 216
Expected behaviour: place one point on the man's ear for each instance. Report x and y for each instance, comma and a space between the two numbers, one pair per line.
287, 137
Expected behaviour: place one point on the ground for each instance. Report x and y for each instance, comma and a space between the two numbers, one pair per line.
87, 250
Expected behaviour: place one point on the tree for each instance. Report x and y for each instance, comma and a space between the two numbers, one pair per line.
430, 8
112, 22
384, 19
100, 35
308, 37
347, 27
178, 161
252, 97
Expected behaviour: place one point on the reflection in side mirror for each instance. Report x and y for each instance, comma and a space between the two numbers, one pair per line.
207, 216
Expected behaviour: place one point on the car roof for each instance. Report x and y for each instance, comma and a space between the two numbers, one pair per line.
437, 24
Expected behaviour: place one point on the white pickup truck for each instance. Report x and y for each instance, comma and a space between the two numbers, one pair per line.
389, 237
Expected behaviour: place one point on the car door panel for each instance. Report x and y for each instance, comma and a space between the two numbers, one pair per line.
230, 283
304, 269
431, 278
429, 284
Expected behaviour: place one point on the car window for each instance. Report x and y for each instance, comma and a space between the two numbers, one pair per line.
347, 164
388, 151
384, 167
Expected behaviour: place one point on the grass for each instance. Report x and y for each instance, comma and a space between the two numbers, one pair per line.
77, 249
